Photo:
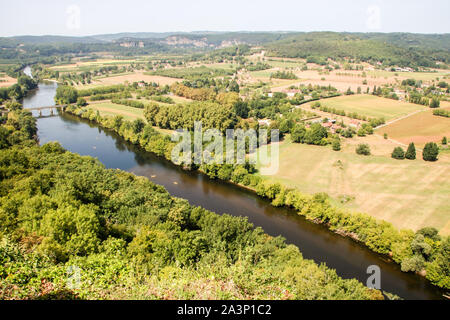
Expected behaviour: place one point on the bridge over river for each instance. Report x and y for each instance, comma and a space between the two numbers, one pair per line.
51, 108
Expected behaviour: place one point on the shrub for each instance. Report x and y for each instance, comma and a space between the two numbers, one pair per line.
363, 149
431, 152
336, 145
398, 153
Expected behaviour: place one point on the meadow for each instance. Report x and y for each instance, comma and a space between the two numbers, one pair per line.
130, 78
112, 109
372, 106
409, 194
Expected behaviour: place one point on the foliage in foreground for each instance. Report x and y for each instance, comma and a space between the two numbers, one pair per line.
129, 239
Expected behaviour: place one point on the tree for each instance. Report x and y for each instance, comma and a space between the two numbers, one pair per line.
315, 134
431, 152
66, 95
435, 103
444, 141
363, 149
81, 102
411, 152
298, 133
336, 145
385, 136
398, 153
13, 106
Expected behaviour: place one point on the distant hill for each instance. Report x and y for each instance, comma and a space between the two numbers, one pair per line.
392, 49
404, 49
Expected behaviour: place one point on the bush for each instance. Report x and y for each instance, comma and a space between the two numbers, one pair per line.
336, 145
398, 153
363, 149
411, 152
81, 102
431, 152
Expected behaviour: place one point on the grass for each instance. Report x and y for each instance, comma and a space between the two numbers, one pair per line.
409, 194
128, 113
112, 109
419, 128
424, 76
372, 106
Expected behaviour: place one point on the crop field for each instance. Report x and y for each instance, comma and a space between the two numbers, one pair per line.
6, 81
131, 77
340, 79
91, 65
372, 106
419, 128
409, 194
424, 76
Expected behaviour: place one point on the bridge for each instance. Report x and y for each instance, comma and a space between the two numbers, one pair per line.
51, 108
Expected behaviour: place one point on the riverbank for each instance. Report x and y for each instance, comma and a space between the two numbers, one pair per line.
380, 237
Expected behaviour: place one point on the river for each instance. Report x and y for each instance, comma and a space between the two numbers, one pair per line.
348, 258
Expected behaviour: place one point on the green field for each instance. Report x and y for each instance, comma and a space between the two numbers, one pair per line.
128, 113
112, 109
372, 106
409, 194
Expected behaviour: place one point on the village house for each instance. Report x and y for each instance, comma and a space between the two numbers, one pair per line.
354, 123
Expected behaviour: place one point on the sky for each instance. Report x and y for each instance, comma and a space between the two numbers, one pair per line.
89, 17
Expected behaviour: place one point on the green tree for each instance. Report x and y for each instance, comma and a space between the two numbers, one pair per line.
66, 95
398, 153
431, 152
336, 145
298, 133
363, 149
435, 103
411, 152
444, 141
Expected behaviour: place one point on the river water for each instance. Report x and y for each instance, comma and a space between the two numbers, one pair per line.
348, 258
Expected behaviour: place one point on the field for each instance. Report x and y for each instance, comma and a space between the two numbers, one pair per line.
91, 65
6, 81
409, 194
424, 76
131, 77
112, 109
129, 113
372, 106
419, 128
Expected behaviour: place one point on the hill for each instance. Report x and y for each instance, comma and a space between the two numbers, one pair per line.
391, 49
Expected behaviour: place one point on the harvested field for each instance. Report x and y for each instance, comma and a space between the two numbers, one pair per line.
419, 128
409, 194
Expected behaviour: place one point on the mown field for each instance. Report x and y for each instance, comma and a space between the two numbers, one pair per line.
130, 78
419, 128
372, 106
424, 76
128, 113
409, 194
112, 109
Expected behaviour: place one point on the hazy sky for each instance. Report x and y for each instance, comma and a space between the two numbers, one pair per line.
88, 17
